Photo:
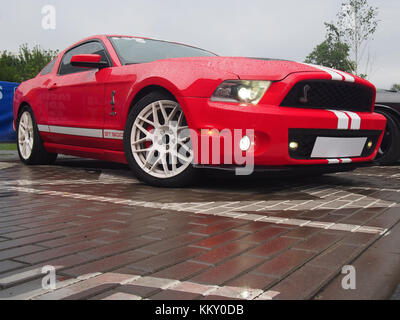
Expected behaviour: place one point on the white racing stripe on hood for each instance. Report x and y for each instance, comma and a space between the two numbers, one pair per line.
335, 75
347, 77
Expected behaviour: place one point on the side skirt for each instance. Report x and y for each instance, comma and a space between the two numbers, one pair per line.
83, 152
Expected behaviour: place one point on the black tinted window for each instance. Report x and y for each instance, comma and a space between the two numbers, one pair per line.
138, 50
49, 68
87, 48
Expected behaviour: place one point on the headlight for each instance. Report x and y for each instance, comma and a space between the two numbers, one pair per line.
242, 91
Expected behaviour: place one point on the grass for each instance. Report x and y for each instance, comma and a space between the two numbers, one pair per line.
8, 146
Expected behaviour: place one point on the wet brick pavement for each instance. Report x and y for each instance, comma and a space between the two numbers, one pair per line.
110, 237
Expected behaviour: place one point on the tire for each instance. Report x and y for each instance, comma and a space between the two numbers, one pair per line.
157, 142
389, 151
30, 145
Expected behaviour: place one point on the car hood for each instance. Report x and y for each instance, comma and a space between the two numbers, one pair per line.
249, 68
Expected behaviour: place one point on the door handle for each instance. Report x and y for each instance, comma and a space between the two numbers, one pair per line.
53, 86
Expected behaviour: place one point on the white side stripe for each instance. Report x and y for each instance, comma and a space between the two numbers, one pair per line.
343, 119
355, 120
43, 128
94, 133
83, 132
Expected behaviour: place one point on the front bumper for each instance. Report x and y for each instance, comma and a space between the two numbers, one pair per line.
272, 126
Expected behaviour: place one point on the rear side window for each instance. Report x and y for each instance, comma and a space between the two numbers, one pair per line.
86, 48
49, 68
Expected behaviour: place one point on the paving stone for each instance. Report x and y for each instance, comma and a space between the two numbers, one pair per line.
175, 242
174, 295
28, 273
226, 271
224, 252
167, 259
303, 283
115, 248
154, 282
237, 292
87, 288
138, 290
8, 265
220, 227
265, 234
286, 262
318, 242
272, 247
32, 289
214, 241
302, 232
28, 240
253, 281
115, 295
92, 235
337, 256
254, 226
16, 252
193, 287
106, 264
359, 239
181, 271
55, 253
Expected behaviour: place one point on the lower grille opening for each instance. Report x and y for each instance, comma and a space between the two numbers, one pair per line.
305, 139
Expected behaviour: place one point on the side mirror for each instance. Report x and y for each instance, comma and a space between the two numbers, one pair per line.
91, 61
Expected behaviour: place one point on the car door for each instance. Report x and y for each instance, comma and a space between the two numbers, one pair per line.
76, 104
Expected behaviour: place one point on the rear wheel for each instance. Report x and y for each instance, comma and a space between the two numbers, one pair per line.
157, 142
389, 151
30, 146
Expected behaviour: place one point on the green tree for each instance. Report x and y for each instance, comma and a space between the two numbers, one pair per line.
333, 54
356, 23
24, 65
396, 87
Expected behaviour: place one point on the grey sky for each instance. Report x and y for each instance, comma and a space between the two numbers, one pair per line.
286, 29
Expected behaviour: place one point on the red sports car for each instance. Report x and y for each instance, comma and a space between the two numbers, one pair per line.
168, 109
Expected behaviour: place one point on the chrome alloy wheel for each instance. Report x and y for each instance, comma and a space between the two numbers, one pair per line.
25, 135
160, 140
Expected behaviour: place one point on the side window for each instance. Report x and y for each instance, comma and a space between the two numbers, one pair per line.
49, 68
86, 48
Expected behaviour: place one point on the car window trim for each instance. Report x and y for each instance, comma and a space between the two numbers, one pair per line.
109, 61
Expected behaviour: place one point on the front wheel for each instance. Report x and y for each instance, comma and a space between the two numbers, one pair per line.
157, 142
30, 146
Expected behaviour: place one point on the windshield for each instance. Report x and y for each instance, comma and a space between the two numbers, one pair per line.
138, 50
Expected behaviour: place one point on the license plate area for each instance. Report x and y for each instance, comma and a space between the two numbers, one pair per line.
328, 147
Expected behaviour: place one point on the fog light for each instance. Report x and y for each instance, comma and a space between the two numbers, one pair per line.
294, 145
245, 143
370, 144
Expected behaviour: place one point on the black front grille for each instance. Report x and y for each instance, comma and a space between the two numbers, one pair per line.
327, 94
306, 139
